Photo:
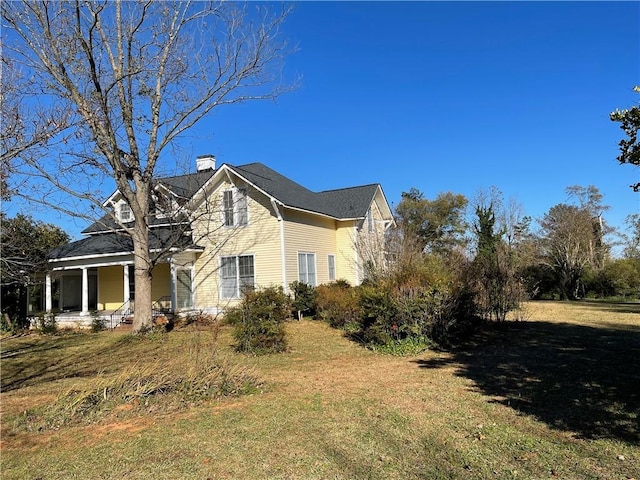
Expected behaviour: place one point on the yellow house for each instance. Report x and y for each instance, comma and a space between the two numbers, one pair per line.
216, 232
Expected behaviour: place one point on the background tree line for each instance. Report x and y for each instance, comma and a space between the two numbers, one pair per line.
565, 254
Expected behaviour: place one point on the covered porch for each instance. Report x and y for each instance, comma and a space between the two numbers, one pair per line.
90, 287
95, 276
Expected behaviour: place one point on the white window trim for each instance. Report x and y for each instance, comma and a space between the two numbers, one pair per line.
236, 195
172, 205
329, 257
237, 294
191, 271
315, 268
126, 207
370, 220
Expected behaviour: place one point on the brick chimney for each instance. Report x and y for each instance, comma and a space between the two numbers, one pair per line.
205, 162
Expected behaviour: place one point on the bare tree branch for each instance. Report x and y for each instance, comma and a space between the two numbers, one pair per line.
117, 83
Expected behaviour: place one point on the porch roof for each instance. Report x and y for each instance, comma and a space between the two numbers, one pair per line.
121, 243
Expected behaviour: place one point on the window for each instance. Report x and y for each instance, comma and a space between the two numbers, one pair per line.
331, 259
184, 291
307, 268
235, 207
163, 204
237, 274
241, 207
125, 213
370, 220
227, 196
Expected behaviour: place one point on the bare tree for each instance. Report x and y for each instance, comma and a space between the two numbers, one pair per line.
128, 79
590, 199
25, 125
631, 238
567, 239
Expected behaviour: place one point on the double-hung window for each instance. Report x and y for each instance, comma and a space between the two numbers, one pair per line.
331, 261
307, 268
235, 207
237, 274
125, 213
184, 288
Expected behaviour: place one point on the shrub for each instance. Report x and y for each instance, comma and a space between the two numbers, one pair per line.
46, 324
97, 322
198, 319
338, 304
422, 302
304, 298
9, 324
259, 321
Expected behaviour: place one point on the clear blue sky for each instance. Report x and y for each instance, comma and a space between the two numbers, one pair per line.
447, 96
451, 96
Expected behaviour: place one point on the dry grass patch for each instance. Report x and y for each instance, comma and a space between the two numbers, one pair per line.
552, 397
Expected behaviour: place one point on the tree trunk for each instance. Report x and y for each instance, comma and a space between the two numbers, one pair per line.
143, 315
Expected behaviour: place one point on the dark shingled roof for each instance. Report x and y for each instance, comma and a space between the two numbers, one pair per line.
121, 243
108, 224
187, 185
184, 186
340, 204
344, 203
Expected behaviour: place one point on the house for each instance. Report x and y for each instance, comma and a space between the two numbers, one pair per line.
214, 233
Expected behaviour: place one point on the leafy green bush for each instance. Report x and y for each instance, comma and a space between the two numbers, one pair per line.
259, 321
304, 298
620, 278
408, 346
338, 304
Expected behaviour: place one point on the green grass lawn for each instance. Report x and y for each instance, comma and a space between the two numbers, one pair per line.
554, 396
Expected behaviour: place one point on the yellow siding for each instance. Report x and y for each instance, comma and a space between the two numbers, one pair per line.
260, 238
371, 245
313, 234
110, 287
346, 259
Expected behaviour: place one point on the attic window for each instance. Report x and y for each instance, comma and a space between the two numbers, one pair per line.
163, 205
234, 204
125, 213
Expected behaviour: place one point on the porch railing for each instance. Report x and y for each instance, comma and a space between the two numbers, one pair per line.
122, 314
160, 307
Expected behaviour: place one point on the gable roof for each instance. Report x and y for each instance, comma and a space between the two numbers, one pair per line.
183, 186
341, 204
346, 203
187, 185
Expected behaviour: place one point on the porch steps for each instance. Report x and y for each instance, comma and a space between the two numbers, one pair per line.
124, 327
126, 324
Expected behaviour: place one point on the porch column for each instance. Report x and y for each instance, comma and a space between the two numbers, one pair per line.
126, 293
85, 291
47, 289
172, 283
